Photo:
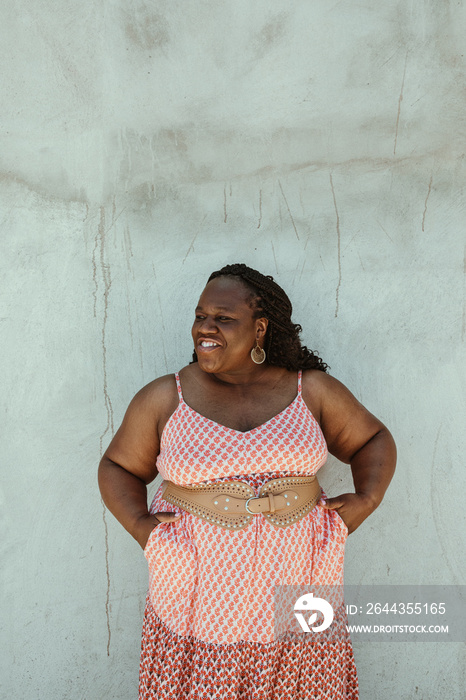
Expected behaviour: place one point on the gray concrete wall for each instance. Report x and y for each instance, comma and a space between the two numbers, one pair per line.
145, 144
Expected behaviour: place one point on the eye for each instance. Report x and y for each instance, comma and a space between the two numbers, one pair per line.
199, 317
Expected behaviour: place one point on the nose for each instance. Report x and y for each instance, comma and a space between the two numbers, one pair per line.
208, 325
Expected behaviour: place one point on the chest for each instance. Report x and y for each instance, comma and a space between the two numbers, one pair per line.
242, 413
196, 447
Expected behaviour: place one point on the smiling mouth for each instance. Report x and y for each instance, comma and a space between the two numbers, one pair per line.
208, 345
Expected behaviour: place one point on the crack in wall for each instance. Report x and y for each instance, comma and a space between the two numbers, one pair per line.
107, 571
337, 292
107, 282
260, 209
425, 203
302, 269
385, 232
129, 254
274, 257
438, 506
400, 100
161, 318
94, 275
128, 248
301, 202
128, 306
289, 211
191, 247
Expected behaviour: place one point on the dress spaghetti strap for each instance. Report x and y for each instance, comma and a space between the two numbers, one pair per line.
178, 386
300, 386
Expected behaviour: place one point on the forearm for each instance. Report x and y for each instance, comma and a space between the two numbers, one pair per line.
373, 467
124, 494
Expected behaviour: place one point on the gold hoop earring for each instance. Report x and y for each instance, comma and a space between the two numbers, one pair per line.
258, 354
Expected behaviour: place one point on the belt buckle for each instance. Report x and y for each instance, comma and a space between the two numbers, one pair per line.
246, 504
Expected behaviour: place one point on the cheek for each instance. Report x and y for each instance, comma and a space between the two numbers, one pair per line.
245, 342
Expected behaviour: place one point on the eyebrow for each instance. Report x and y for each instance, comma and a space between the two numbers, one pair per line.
216, 308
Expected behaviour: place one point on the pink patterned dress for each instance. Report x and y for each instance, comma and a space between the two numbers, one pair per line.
208, 629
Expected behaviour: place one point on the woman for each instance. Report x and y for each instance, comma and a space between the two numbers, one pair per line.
238, 436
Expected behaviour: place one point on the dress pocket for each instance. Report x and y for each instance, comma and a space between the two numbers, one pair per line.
341, 522
151, 538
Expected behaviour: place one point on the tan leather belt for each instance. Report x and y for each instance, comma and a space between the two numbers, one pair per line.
232, 504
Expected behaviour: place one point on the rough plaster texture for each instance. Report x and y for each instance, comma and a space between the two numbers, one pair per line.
144, 144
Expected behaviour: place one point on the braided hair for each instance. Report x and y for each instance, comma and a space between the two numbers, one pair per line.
268, 300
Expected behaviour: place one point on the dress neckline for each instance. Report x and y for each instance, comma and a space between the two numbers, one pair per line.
233, 430
182, 402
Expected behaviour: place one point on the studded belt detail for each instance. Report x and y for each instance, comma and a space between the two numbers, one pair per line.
233, 504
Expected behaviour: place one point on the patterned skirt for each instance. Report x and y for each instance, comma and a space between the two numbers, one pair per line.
175, 667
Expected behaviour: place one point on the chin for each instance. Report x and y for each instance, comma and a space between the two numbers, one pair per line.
206, 365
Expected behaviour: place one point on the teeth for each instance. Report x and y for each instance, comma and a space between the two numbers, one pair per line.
207, 344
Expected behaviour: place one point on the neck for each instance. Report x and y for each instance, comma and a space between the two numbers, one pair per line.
249, 376
246, 377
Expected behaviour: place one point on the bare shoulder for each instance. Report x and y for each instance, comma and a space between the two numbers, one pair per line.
323, 385
153, 404
345, 422
314, 380
136, 443
318, 380
158, 393
320, 390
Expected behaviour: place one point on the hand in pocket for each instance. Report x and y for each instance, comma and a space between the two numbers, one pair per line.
352, 508
149, 522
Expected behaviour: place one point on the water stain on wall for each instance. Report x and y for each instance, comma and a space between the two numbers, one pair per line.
145, 28
270, 34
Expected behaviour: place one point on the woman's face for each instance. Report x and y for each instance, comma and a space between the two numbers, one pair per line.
224, 330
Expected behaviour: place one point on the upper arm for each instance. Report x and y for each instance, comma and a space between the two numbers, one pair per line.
346, 424
136, 443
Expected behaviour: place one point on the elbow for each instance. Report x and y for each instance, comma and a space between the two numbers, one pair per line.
102, 474
383, 441
390, 447
105, 472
